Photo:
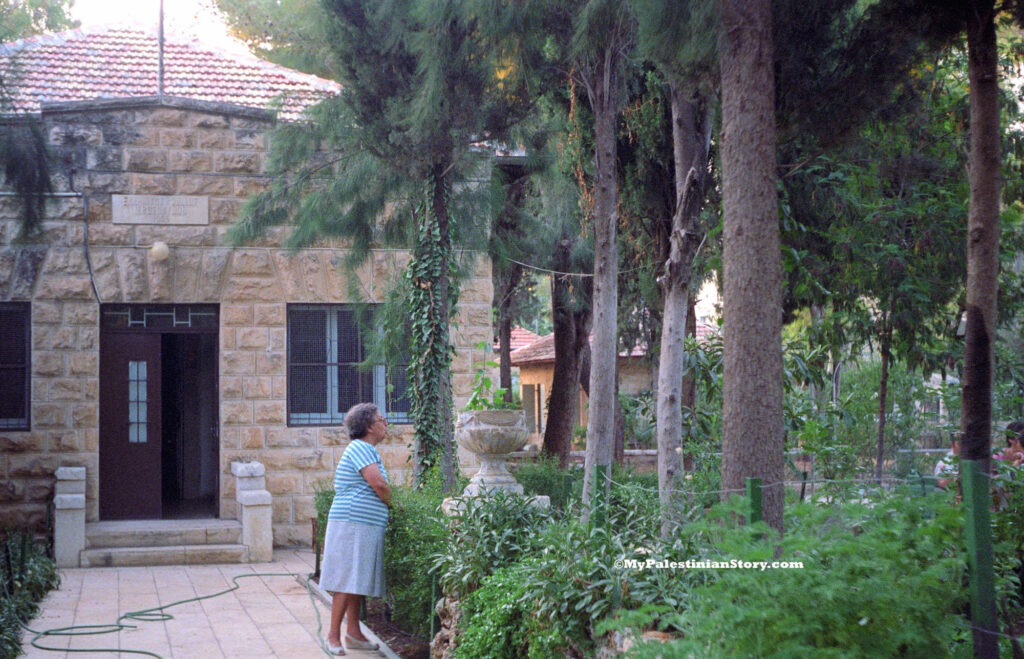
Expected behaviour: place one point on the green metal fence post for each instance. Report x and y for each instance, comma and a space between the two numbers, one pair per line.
433, 603
754, 495
978, 531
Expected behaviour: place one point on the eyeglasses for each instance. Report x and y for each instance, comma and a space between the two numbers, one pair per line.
380, 418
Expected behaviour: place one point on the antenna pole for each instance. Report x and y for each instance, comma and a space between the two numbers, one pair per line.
160, 54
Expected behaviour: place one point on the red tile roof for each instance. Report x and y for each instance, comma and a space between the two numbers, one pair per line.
521, 337
542, 350
118, 62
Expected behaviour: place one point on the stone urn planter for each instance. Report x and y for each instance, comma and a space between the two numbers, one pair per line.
491, 435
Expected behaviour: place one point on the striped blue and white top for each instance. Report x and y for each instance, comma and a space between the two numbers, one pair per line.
354, 499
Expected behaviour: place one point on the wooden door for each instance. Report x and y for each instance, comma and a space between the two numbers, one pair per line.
130, 473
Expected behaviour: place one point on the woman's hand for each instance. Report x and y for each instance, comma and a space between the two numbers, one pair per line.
377, 481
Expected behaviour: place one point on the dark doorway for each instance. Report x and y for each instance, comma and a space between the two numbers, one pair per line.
159, 455
189, 447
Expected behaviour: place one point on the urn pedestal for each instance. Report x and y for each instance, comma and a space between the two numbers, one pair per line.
492, 435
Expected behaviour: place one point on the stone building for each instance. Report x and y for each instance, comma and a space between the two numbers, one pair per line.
134, 342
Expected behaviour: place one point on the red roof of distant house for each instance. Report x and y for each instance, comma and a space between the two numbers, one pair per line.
521, 337
542, 350
118, 62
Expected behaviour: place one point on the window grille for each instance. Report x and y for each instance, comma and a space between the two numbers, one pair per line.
15, 351
327, 373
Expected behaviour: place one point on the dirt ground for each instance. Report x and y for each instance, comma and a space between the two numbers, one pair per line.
404, 645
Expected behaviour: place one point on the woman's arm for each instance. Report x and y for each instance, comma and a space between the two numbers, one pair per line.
376, 480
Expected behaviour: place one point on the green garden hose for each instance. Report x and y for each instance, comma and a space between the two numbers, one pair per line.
158, 614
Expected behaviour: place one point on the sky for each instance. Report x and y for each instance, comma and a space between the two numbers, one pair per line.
193, 18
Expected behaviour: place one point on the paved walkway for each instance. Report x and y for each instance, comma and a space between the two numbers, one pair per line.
268, 616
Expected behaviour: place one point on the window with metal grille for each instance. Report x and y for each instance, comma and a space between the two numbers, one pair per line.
15, 350
327, 348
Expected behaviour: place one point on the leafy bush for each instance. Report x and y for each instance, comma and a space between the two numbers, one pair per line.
26, 574
498, 619
492, 532
549, 602
323, 497
483, 398
857, 425
879, 580
416, 533
1008, 539
639, 420
544, 477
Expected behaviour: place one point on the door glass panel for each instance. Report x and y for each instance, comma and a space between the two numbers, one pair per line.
137, 402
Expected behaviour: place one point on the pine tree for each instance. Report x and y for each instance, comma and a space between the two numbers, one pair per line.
419, 91
752, 432
24, 157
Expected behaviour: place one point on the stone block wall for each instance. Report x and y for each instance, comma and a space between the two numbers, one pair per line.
182, 148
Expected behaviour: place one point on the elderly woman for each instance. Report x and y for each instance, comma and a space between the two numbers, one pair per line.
354, 541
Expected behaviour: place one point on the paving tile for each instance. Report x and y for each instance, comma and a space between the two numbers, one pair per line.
209, 650
267, 616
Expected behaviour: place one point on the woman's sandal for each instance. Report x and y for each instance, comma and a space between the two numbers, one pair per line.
356, 644
335, 649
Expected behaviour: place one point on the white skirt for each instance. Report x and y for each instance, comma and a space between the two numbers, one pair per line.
353, 559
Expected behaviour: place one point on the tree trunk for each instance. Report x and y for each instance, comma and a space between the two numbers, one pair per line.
983, 233
564, 395
752, 428
603, 91
883, 394
690, 148
982, 281
619, 451
449, 457
689, 390
585, 365
506, 275
504, 352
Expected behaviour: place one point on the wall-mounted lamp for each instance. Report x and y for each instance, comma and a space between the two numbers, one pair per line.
159, 251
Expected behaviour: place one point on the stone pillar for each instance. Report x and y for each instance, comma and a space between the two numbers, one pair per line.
254, 510
69, 516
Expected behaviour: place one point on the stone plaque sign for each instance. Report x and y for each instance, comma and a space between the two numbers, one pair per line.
160, 209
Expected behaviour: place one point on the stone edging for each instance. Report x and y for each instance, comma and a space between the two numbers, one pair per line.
326, 599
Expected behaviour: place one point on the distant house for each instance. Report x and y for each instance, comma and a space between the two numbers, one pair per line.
135, 342
536, 364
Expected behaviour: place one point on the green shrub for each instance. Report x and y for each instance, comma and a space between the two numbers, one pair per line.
416, 533
638, 416
497, 619
26, 575
492, 532
323, 497
577, 581
879, 580
1008, 538
544, 477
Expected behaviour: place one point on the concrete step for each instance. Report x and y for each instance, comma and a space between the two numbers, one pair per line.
166, 555
162, 533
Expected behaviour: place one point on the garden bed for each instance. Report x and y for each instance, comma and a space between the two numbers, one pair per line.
27, 573
402, 643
